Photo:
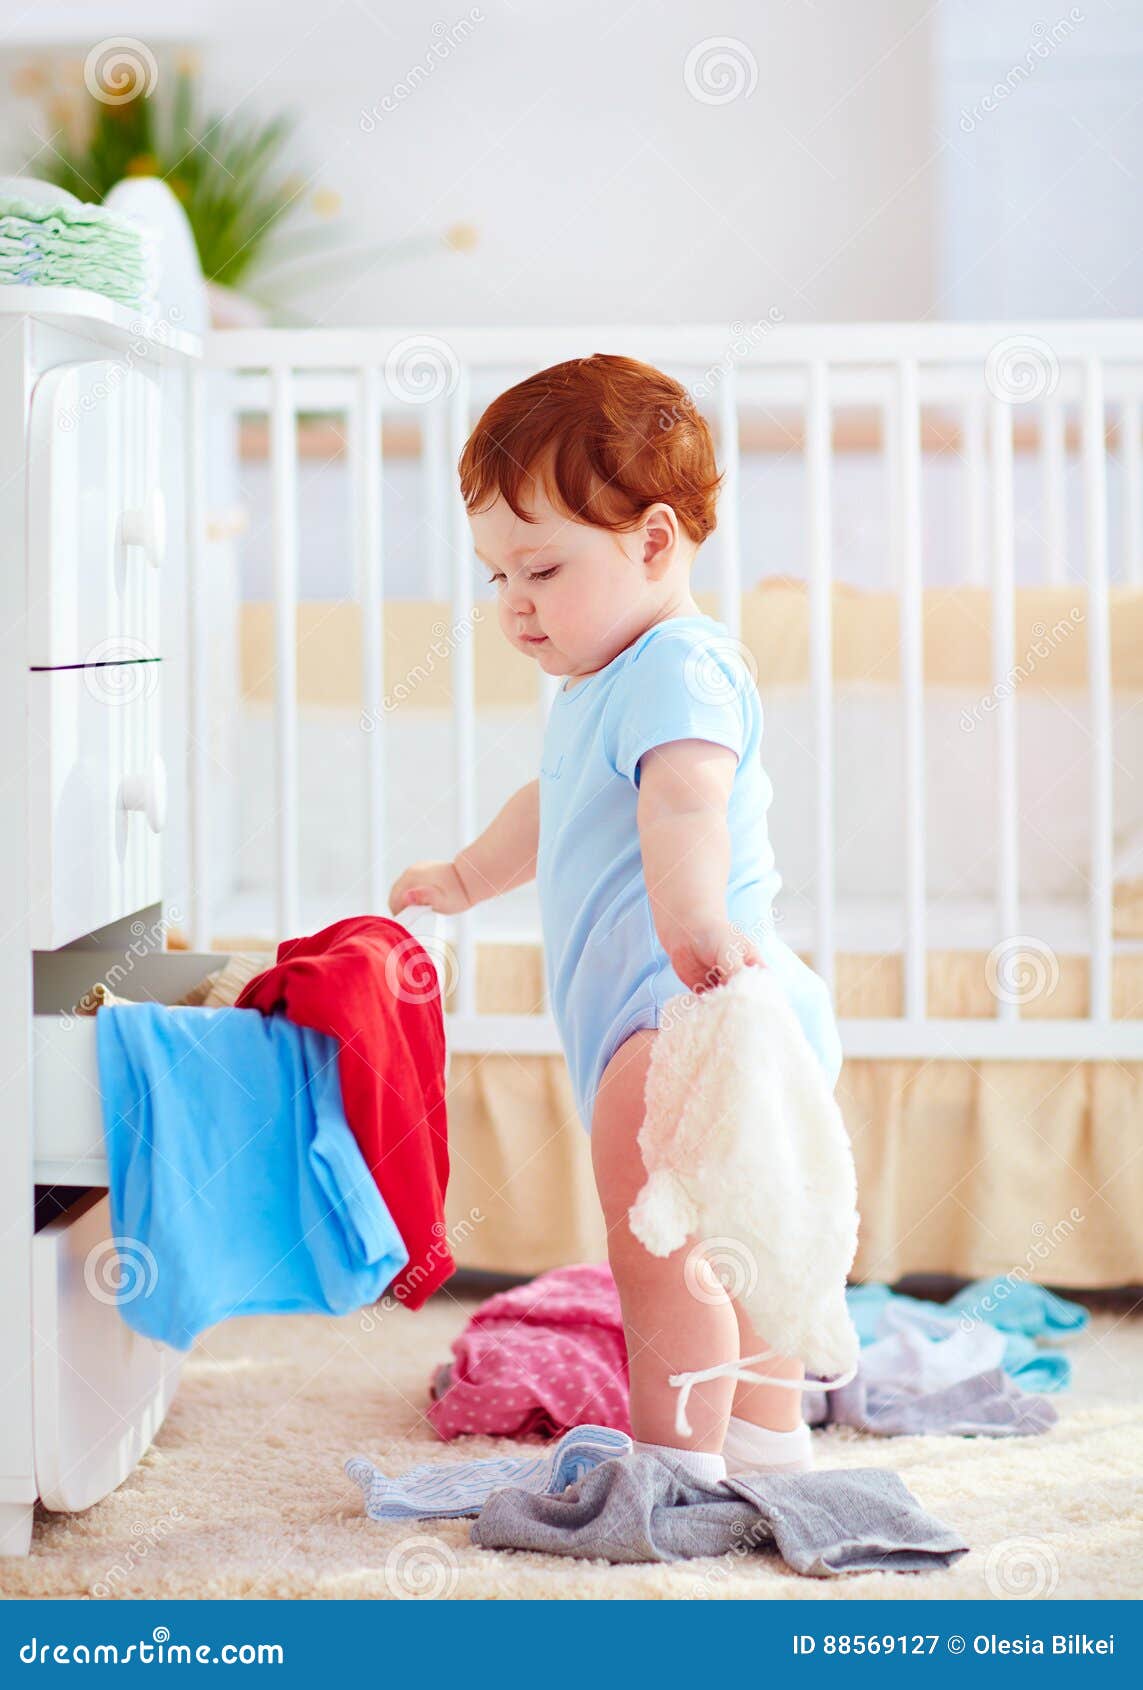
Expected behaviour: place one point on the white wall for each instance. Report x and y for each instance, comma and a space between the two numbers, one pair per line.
1040, 125
602, 189
847, 184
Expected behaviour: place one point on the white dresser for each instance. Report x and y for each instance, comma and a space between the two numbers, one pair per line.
91, 407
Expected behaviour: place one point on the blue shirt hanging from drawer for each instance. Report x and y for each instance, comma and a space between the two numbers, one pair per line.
236, 1184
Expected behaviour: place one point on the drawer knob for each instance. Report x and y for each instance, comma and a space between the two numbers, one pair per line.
147, 793
146, 526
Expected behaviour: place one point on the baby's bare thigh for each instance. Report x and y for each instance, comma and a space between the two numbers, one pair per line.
620, 1175
615, 1123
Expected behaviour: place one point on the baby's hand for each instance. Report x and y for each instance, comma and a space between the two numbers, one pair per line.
434, 886
705, 957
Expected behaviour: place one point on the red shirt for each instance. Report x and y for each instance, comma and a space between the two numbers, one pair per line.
372, 985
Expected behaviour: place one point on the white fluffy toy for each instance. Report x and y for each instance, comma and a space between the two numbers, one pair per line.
747, 1152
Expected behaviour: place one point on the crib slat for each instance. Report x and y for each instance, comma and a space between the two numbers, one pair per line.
437, 474
729, 513
976, 535
365, 471
1132, 494
1054, 459
820, 512
1003, 691
197, 660
549, 686
463, 686
1099, 684
906, 487
284, 509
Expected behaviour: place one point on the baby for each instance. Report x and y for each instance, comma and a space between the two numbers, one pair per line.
589, 489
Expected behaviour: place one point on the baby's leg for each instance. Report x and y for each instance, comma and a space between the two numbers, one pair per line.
674, 1318
771, 1406
767, 1433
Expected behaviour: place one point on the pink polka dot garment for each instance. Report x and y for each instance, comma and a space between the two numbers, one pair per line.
539, 1359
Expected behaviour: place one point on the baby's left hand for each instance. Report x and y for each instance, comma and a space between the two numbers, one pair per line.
705, 957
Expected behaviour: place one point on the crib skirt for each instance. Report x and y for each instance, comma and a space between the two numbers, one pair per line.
1027, 1168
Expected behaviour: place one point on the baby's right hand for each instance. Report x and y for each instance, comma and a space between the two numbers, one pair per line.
434, 886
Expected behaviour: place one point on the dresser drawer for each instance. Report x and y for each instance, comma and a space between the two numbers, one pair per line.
67, 1112
97, 797
96, 519
99, 1389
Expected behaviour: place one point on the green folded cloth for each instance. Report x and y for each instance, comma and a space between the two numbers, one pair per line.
84, 246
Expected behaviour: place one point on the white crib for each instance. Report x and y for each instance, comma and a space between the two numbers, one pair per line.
977, 387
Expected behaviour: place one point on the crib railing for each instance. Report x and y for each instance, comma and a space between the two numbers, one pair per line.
977, 377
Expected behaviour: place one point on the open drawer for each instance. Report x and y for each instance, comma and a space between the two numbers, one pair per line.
68, 1111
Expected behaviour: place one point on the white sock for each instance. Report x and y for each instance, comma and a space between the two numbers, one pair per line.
703, 1463
756, 1449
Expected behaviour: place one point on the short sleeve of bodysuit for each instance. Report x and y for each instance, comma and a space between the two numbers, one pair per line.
682, 684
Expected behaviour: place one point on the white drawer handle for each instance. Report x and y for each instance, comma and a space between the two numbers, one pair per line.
147, 527
147, 793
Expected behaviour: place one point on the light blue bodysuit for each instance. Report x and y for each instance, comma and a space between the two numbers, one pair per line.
607, 972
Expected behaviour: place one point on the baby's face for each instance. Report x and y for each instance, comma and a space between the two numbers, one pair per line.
570, 595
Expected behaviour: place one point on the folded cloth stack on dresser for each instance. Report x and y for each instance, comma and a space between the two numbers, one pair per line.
73, 244
236, 1185
373, 987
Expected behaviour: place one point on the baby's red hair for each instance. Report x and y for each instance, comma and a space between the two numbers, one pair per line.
605, 437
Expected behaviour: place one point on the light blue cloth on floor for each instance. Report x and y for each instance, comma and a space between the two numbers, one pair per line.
236, 1184
876, 1309
1022, 1307
446, 1490
1032, 1368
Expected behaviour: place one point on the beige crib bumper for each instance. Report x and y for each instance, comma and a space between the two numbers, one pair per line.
1032, 1168
964, 1168
1049, 646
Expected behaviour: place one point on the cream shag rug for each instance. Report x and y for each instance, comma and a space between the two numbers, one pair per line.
243, 1494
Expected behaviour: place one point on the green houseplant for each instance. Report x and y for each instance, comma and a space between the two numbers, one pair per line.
245, 209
